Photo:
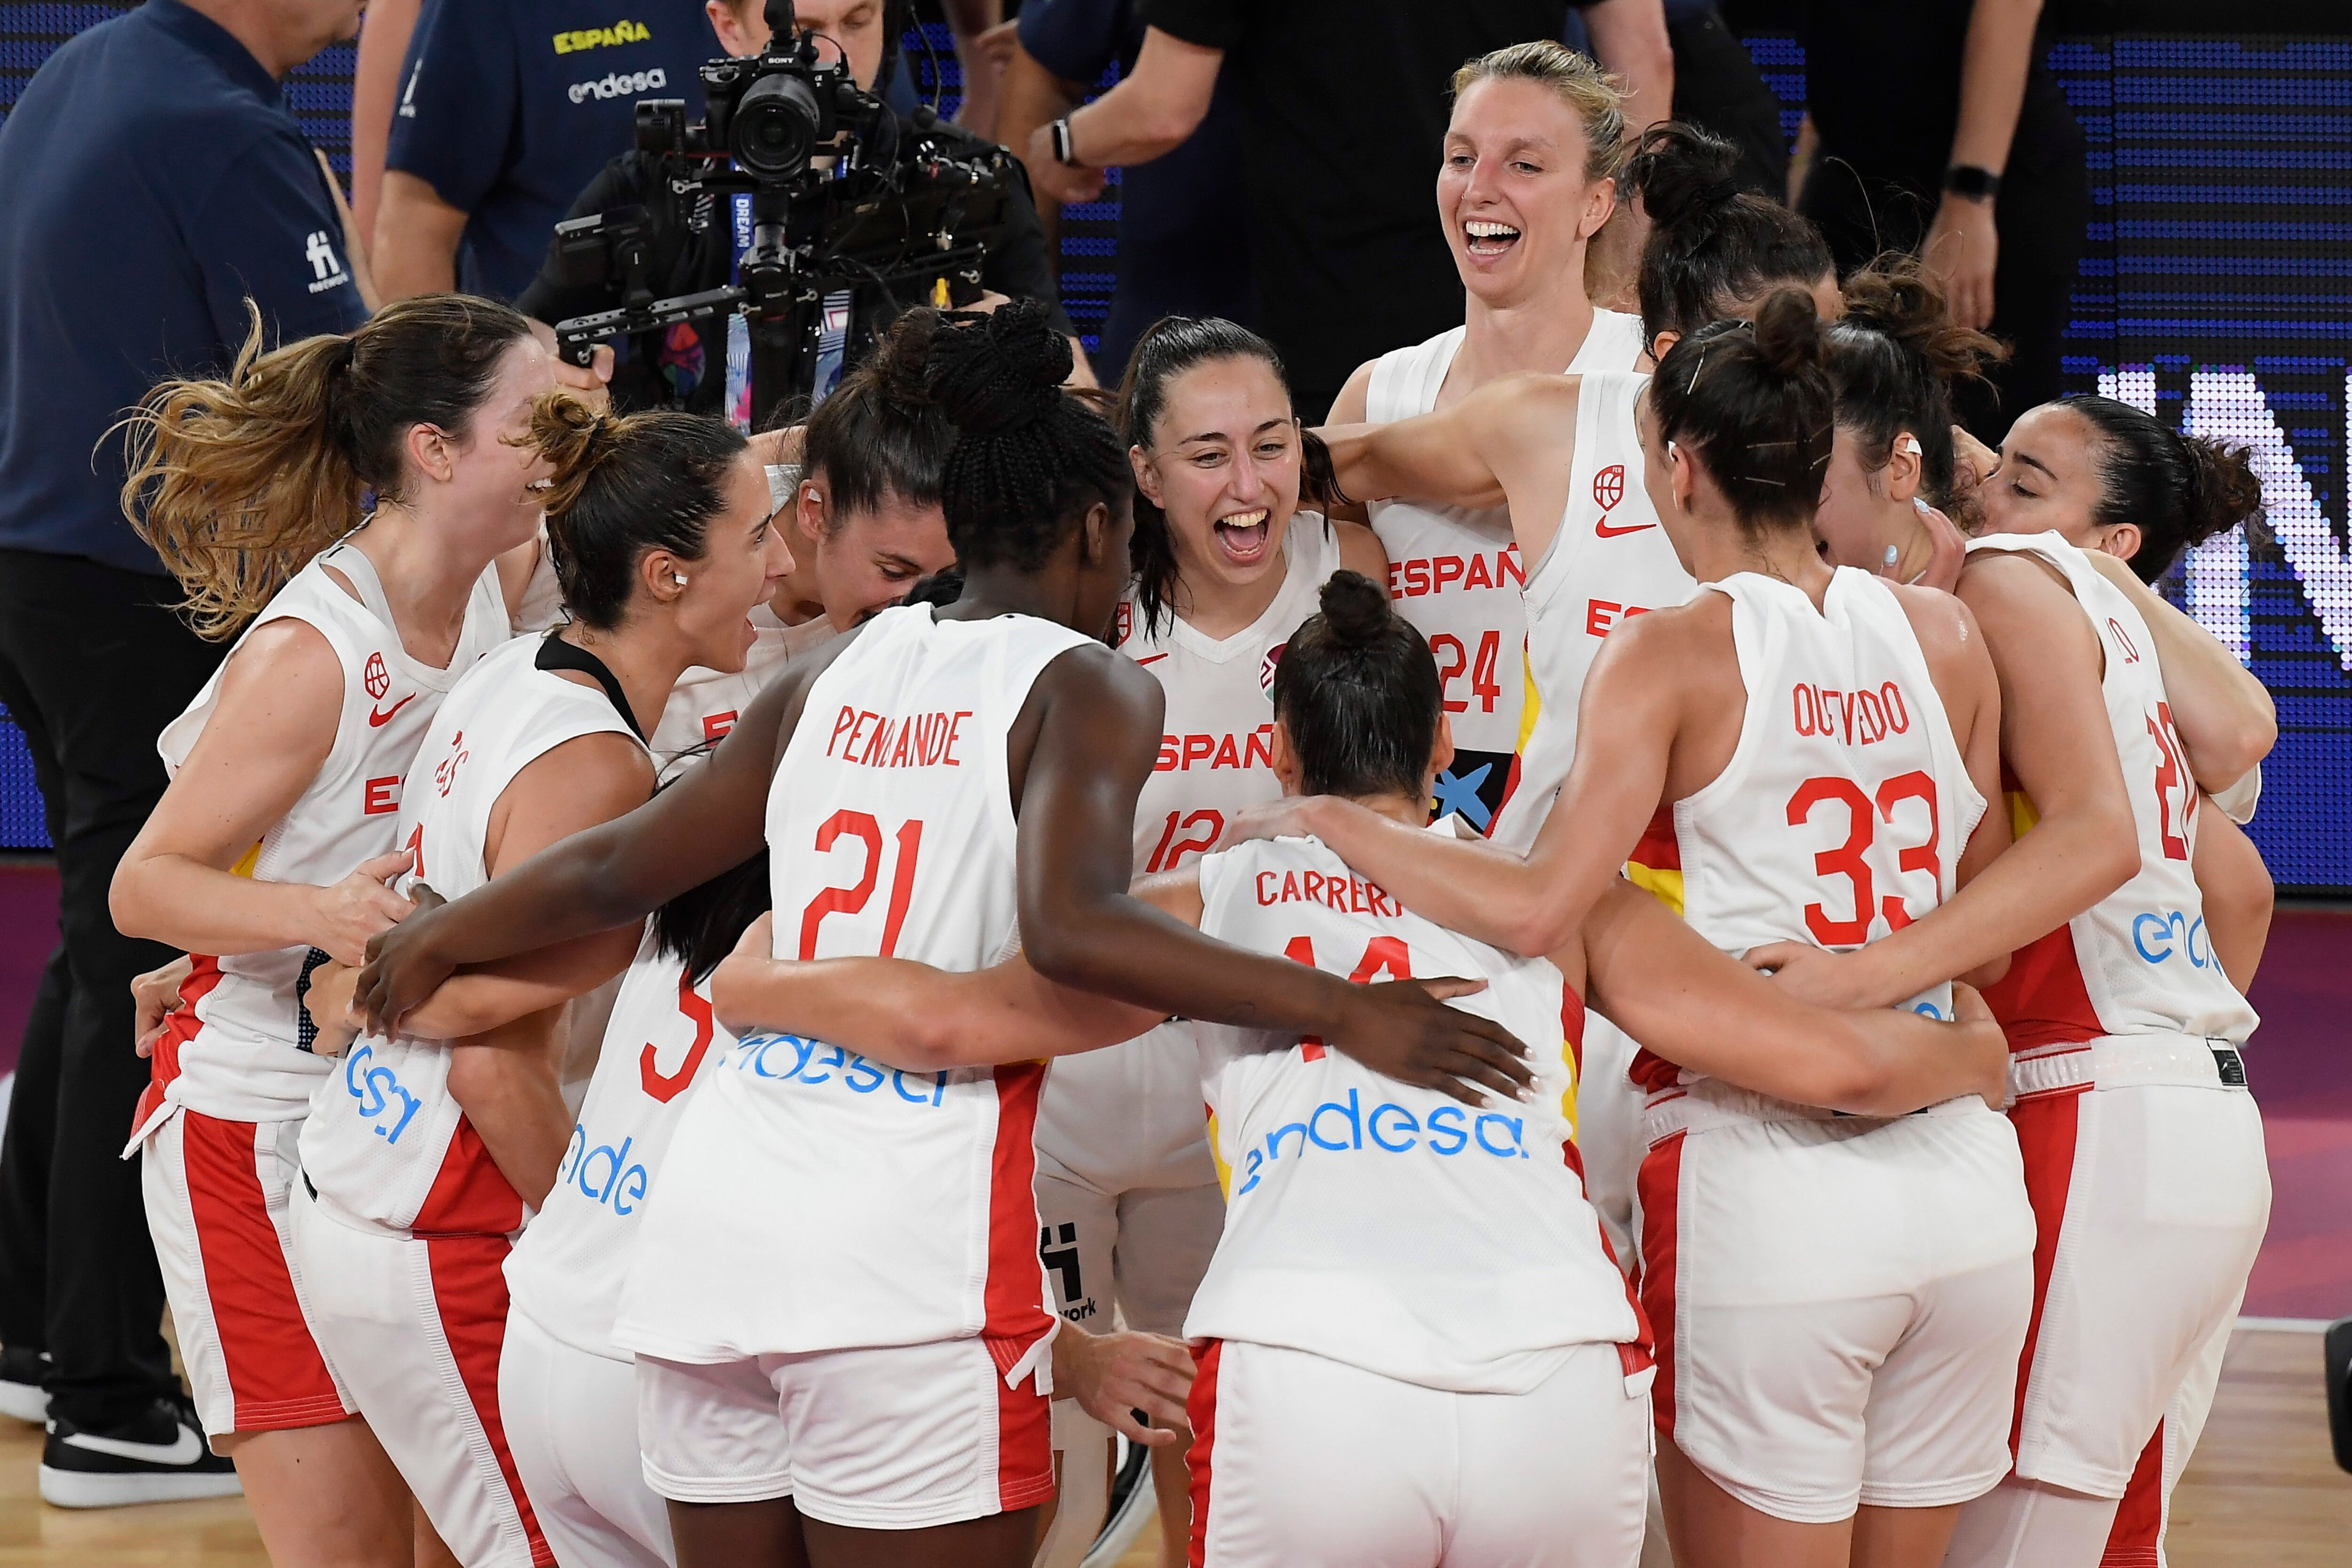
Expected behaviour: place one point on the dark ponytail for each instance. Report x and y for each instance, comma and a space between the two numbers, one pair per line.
2179, 490
1753, 405
1169, 346
701, 926
1359, 692
1030, 458
1895, 358
624, 484
1713, 247
880, 435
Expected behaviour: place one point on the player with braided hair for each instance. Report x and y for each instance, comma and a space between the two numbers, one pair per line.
919, 784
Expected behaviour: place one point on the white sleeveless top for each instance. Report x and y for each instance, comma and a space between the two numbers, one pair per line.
240, 1049
1216, 754
1384, 1226
661, 1041
1610, 560
705, 703
811, 1199
386, 1142
1843, 812
2138, 962
1456, 571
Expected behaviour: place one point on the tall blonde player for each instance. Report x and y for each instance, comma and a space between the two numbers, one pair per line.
287, 774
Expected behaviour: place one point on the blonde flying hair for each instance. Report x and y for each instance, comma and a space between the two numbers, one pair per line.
238, 481
1597, 98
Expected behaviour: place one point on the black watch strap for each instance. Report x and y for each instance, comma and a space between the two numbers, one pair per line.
1971, 183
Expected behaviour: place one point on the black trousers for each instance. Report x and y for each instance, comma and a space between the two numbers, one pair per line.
93, 663
1718, 88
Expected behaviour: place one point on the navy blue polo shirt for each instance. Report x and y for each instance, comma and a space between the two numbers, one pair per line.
1184, 219
509, 108
152, 179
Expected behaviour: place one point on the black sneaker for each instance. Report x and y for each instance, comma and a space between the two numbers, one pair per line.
159, 1457
22, 1371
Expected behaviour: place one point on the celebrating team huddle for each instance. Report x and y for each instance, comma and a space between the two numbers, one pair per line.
1701, 904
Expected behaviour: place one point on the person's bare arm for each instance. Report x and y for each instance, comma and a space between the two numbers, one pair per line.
269, 732
1152, 111
2238, 893
504, 1080
385, 31
1361, 551
417, 235
2057, 741
969, 23
1657, 979
2223, 715
1629, 38
1115, 1376
1963, 244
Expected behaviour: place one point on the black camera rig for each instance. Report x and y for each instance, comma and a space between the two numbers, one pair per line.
909, 214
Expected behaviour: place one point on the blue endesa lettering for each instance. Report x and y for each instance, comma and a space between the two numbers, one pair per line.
1344, 1126
374, 1091
616, 1183
2157, 937
789, 1059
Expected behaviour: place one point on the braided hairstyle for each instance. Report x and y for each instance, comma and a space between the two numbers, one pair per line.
2180, 490
1714, 246
1894, 359
1359, 692
1754, 405
1030, 457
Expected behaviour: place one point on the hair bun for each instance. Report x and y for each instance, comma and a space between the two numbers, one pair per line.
999, 372
903, 360
1682, 172
1896, 297
1355, 608
2224, 492
1788, 332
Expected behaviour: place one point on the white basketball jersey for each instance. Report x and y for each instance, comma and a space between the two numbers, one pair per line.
387, 1141
2138, 962
567, 1272
705, 703
1843, 812
1377, 1224
1456, 571
1609, 561
814, 1200
249, 1058
1216, 753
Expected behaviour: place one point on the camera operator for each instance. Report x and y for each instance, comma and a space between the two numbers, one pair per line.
686, 366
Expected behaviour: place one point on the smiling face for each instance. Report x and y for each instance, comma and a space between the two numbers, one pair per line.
744, 557
1224, 467
858, 563
1512, 191
488, 476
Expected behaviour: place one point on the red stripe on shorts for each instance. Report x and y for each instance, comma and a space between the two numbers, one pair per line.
469, 1292
179, 1027
1013, 1299
1200, 1407
2046, 1137
1025, 1435
1660, 1187
2138, 1529
277, 1378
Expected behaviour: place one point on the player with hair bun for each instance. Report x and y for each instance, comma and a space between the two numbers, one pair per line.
960, 764
425, 1149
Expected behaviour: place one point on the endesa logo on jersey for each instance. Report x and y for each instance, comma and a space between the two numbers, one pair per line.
789, 1059
1345, 1127
1183, 753
620, 84
376, 1090
605, 1175
1414, 577
2158, 938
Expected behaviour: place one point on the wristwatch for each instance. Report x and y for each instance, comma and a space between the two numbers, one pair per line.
1971, 183
1062, 153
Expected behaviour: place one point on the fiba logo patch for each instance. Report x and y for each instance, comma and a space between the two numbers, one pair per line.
1266, 669
1122, 624
376, 677
1608, 486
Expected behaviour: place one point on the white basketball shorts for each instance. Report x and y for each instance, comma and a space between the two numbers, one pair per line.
571, 1421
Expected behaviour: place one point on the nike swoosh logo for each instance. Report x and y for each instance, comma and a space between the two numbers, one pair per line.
186, 1450
379, 718
1151, 658
1602, 530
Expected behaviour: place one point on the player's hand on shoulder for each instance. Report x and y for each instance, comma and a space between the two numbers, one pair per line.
734, 984
1116, 1377
1287, 817
1403, 1029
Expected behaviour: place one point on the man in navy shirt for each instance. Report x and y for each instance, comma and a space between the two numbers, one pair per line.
507, 109
154, 182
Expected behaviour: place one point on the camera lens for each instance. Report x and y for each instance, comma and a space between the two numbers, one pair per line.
775, 126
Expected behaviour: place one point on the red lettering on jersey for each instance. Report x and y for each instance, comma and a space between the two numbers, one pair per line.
917, 740
383, 796
1311, 884
1446, 569
1435, 574
1507, 569
843, 722
714, 725
1478, 578
1862, 717
1602, 616
1348, 895
1228, 755
1181, 753
1199, 747
1169, 759
1258, 749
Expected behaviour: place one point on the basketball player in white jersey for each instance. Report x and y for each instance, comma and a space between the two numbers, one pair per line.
1414, 1346
1228, 564
424, 1153
1535, 139
893, 1363
861, 509
1818, 747
287, 774
2144, 1151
